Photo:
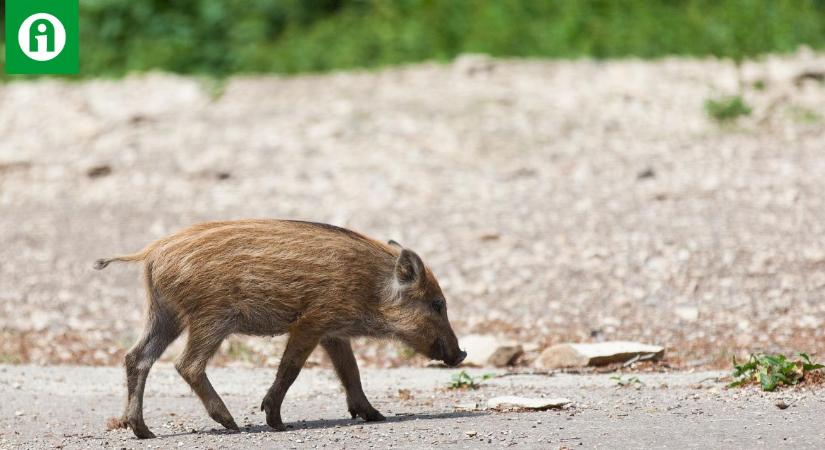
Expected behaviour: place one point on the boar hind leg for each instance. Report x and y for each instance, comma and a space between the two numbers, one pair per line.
340, 352
202, 345
161, 329
298, 348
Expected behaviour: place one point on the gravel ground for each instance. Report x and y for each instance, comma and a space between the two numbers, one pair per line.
555, 200
67, 407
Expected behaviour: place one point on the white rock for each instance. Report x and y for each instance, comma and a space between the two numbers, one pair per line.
509, 401
484, 350
466, 406
530, 347
687, 313
580, 355
808, 321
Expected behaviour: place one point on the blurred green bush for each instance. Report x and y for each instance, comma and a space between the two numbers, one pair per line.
220, 37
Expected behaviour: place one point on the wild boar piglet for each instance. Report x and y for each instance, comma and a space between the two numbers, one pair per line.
319, 283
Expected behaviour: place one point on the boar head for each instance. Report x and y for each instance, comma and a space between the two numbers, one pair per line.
416, 311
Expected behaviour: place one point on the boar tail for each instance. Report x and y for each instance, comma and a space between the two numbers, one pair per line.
101, 264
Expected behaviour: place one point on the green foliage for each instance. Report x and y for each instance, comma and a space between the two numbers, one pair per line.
463, 380
9, 359
627, 382
727, 109
772, 371
220, 37
804, 115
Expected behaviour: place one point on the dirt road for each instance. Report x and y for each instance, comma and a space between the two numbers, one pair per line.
67, 407
555, 200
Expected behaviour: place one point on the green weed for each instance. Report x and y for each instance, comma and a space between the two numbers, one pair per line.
627, 382
727, 109
9, 359
463, 380
771, 371
804, 115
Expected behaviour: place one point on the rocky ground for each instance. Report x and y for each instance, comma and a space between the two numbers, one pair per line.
67, 407
555, 200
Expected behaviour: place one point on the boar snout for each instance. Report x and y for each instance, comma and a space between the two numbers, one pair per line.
450, 354
461, 355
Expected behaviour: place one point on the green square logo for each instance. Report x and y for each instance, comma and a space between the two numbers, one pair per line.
42, 37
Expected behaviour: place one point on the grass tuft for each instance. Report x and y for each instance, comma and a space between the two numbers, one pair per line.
727, 109
463, 380
627, 382
772, 371
804, 115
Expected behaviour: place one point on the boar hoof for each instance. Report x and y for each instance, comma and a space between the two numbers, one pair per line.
369, 415
141, 431
229, 424
275, 423
273, 417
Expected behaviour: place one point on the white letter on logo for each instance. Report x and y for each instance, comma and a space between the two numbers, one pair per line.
41, 51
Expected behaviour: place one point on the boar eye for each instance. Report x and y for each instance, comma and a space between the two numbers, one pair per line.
439, 305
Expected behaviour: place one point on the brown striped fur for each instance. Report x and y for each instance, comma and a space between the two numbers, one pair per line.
319, 283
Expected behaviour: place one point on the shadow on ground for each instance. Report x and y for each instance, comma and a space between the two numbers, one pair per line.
332, 423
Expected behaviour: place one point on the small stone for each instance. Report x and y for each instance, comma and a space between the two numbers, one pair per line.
405, 394
485, 350
539, 404
466, 406
599, 354
19, 413
808, 321
473, 64
99, 171
687, 313
471, 433
489, 236
781, 404
530, 347
646, 173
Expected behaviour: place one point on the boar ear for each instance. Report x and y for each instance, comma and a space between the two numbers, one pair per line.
395, 244
409, 268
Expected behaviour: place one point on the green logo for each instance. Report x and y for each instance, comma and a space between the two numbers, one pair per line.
42, 37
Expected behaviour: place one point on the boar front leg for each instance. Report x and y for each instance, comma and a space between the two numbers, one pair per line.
340, 352
298, 348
